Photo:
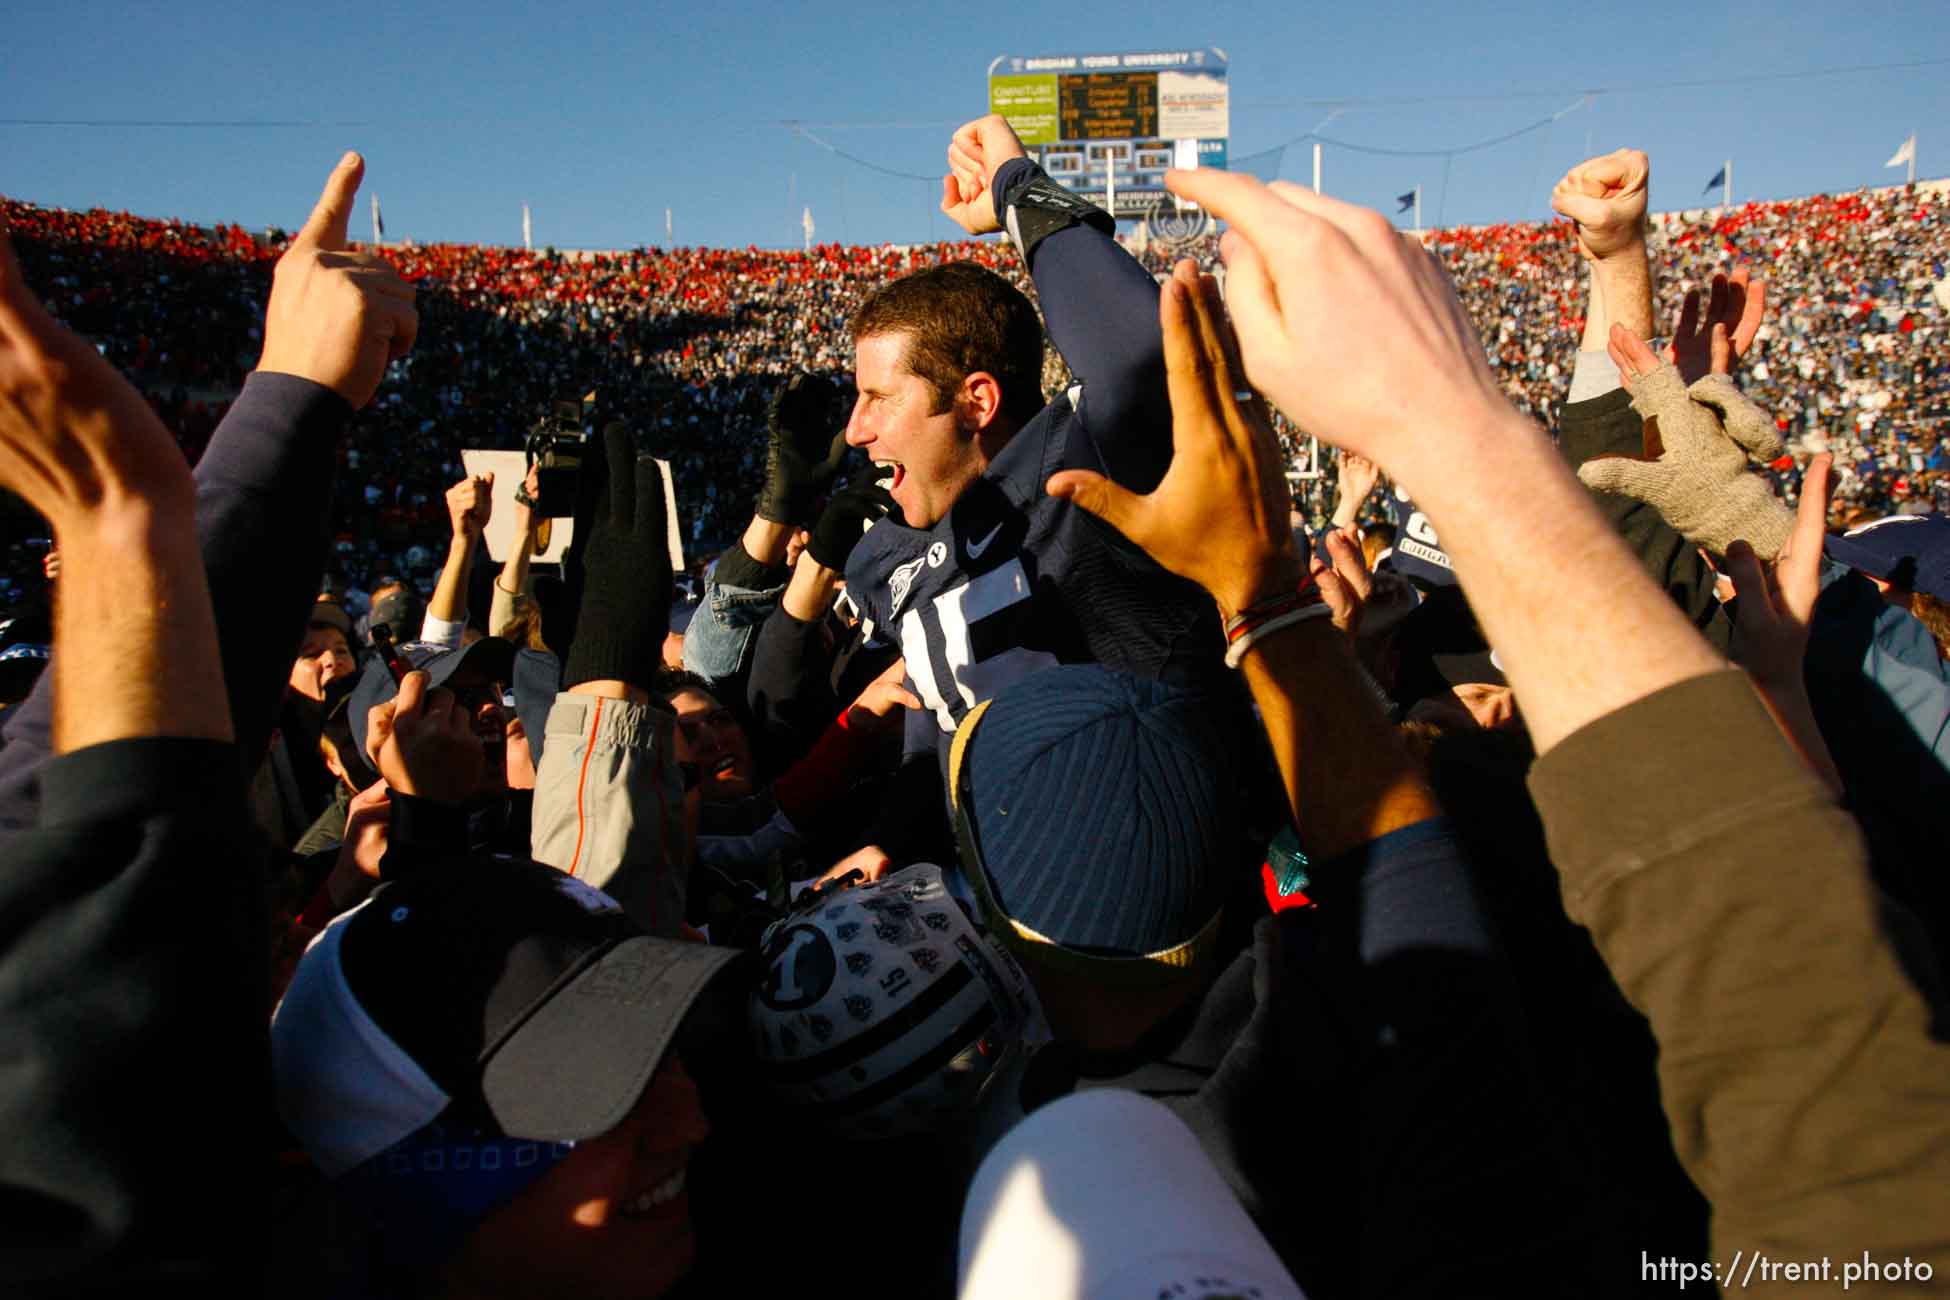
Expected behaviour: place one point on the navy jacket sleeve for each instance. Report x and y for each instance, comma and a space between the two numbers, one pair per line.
263, 502
1101, 308
790, 698
1397, 1037
134, 1065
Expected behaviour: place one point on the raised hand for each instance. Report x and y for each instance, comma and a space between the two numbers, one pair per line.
527, 522
1355, 477
1777, 600
627, 581
81, 446
1346, 583
858, 506
1716, 340
1219, 516
1605, 198
75, 437
807, 427
1334, 307
976, 153
337, 317
470, 504
423, 743
1777, 605
1698, 438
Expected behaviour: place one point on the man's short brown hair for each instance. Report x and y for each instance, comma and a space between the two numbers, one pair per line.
961, 318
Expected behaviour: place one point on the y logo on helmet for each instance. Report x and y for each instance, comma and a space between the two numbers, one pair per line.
799, 969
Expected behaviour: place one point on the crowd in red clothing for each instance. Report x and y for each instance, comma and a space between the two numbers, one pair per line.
687, 344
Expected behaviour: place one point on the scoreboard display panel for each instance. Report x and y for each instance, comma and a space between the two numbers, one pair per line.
1108, 126
1107, 106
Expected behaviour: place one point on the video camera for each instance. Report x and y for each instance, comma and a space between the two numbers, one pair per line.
556, 445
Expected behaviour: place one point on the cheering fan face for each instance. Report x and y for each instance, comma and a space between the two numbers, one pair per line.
708, 734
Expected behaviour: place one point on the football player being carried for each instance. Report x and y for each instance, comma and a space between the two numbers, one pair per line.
981, 575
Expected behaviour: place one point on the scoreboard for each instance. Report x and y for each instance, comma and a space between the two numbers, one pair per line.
1108, 126
1107, 106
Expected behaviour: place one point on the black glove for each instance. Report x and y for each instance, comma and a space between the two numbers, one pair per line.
858, 506
625, 570
804, 453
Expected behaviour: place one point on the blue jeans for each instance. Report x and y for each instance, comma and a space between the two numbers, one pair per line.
718, 643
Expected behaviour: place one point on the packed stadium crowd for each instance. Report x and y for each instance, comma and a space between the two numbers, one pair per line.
1043, 853
688, 343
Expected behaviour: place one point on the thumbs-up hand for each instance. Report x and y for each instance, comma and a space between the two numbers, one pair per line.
337, 317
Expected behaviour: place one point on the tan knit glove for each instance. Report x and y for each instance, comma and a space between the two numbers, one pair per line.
1695, 472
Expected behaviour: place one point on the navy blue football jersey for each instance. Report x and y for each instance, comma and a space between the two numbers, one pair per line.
1418, 556
1012, 580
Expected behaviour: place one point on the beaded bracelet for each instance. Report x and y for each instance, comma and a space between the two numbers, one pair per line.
1236, 652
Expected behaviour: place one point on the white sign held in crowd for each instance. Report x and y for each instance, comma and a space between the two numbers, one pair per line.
508, 468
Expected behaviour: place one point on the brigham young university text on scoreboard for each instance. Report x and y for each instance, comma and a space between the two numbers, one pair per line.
1107, 126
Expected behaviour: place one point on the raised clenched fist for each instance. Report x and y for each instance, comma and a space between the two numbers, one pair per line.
1606, 198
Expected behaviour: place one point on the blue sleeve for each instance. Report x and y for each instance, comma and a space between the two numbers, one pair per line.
1903, 662
920, 733
1101, 308
263, 504
791, 699
1882, 703
719, 643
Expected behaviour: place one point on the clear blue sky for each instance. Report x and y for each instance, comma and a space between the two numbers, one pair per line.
600, 117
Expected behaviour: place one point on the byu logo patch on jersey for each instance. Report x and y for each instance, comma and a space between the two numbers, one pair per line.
937, 555
901, 581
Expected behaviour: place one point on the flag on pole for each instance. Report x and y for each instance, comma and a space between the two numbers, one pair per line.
1407, 200
378, 223
1719, 179
527, 230
807, 222
1906, 154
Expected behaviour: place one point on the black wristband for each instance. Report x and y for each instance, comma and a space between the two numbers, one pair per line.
1036, 207
737, 568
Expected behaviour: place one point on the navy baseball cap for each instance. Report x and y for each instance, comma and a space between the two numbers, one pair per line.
1910, 551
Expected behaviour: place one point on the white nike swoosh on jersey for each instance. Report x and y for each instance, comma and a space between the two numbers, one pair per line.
975, 549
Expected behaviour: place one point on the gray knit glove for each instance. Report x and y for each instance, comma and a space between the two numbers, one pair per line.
1696, 474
